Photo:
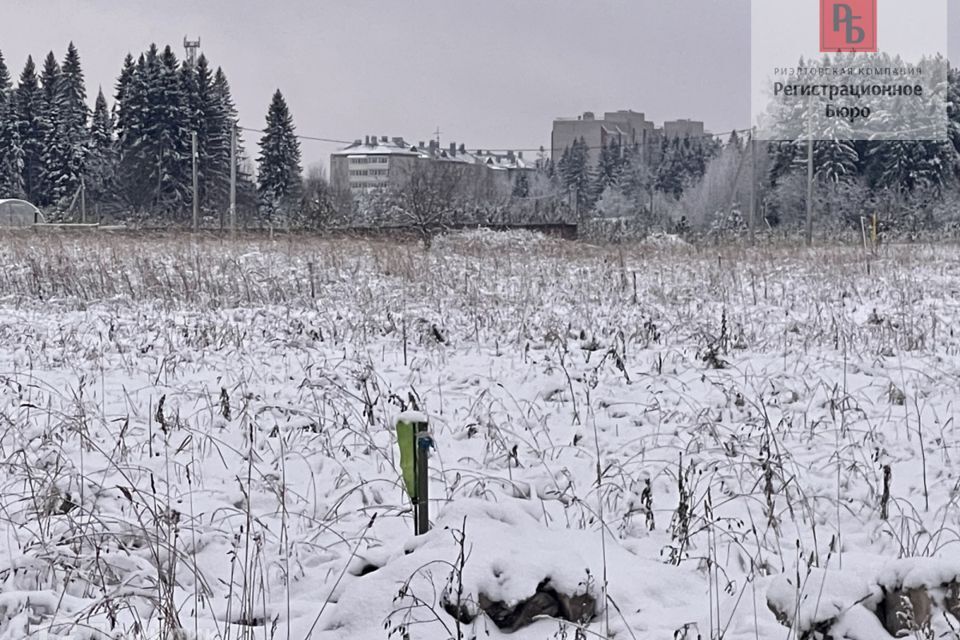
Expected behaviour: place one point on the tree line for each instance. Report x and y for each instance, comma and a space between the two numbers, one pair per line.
132, 159
135, 159
706, 185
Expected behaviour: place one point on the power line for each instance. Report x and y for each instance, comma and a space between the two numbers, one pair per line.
656, 141
301, 137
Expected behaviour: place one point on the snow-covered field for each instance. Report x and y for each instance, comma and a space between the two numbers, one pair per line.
196, 438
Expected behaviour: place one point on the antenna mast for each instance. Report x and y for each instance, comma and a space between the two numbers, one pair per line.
191, 46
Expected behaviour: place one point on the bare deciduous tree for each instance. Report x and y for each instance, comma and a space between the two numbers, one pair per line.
428, 196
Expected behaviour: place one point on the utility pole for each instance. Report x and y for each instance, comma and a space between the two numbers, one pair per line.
159, 174
753, 185
809, 174
83, 200
233, 181
196, 200
810, 190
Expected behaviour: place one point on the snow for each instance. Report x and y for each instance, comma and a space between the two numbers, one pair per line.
486, 238
509, 552
822, 596
580, 434
412, 417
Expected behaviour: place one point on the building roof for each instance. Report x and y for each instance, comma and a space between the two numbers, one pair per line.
459, 154
379, 147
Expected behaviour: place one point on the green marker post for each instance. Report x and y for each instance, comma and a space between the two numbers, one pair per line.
415, 442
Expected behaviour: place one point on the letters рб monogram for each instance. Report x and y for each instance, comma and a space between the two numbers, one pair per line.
848, 25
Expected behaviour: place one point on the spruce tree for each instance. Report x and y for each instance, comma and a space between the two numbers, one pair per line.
121, 96
71, 128
609, 168
576, 175
28, 129
11, 151
199, 91
734, 141
280, 174
171, 129
154, 126
221, 116
521, 185
52, 146
138, 158
563, 167
10, 170
953, 115
4, 81
101, 160
246, 184
671, 173
835, 160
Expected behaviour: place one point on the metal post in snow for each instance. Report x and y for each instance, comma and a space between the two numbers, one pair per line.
423, 444
415, 442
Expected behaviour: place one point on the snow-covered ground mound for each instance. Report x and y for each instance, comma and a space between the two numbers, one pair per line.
486, 238
507, 553
197, 440
664, 240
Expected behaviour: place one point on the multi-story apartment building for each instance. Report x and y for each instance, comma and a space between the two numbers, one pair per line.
376, 162
368, 164
626, 127
683, 129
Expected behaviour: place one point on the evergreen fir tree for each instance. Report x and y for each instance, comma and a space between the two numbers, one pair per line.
101, 160
784, 156
562, 167
138, 157
67, 169
734, 141
196, 122
121, 96
52, 147
280, 178
4, 81
199, 90
901, 166
637, 179
953, 115
221, 114
670, 172
170, 129
835, 160
576, 175
28, 130
521, 185
609, 168
154, 127
10, 151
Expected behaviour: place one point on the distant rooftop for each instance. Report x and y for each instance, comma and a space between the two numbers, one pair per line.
385, 145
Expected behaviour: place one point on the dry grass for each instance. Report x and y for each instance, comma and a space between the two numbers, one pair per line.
167, 400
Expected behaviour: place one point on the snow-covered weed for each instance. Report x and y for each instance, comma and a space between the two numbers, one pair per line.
196, 435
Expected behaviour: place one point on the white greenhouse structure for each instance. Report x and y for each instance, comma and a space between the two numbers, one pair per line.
18, 213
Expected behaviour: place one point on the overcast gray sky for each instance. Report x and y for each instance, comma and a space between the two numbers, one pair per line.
490, 73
